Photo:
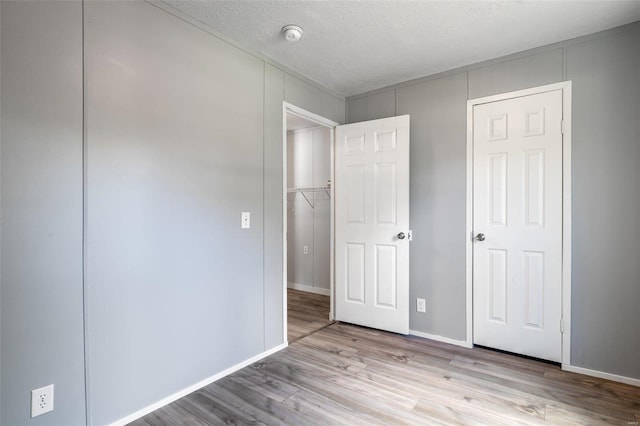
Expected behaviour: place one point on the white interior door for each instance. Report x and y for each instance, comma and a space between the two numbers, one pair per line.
517, 221
372, 223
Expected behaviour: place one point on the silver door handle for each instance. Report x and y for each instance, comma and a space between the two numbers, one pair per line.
400, 235
480, 237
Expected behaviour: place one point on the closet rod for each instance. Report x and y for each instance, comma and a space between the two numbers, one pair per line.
302, 191
309, 189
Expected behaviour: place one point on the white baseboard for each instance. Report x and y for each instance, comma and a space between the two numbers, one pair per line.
168, 400
309, 289
442, 339
601, 374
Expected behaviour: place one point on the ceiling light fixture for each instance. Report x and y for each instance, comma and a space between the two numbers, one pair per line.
292, 32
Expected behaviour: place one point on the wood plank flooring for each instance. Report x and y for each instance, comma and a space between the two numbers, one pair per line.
345, 374
306, 313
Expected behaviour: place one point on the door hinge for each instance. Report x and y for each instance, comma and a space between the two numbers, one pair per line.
562, 127
561, 326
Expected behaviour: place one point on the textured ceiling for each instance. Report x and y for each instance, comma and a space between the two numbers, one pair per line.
353, 47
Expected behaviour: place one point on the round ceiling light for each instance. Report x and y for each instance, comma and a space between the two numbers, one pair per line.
292, 32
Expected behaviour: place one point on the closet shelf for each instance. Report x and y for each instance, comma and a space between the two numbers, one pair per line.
310, 189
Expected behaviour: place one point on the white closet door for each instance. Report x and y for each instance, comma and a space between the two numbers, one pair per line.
517, 257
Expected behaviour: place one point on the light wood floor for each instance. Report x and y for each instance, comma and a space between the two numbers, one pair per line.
306, 313
351, 375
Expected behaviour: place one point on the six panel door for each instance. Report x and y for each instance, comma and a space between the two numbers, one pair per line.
517, 221
372, 224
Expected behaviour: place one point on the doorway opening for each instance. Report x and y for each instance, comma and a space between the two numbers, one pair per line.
307, 222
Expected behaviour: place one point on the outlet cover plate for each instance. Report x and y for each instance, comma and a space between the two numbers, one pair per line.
41, 400
246, 220
421, 305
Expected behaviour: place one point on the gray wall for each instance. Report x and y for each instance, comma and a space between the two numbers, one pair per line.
176, 149
606, 202
182, 132
41, 197
174, 154
437, 178
273, 204
605, 70
311, 98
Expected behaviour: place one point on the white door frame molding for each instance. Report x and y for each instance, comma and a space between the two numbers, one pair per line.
566, 208
288, 108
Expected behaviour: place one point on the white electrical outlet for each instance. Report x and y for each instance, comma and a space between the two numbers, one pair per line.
421, 305
41, 400
246, 220
305, 249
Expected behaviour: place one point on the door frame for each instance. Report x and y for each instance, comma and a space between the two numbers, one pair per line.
565, 325
288, 108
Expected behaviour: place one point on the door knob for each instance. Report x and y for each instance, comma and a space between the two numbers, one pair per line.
480, 237
400, 235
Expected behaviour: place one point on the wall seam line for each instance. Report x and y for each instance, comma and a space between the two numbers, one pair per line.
395, 101
85, 313
0, 228
467, 76
283, 233
264, 210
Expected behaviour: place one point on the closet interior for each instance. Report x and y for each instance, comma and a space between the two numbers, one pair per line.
308, 226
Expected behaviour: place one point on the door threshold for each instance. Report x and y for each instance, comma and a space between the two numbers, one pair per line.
312, 332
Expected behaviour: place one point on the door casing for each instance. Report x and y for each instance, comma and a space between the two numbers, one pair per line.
566, 208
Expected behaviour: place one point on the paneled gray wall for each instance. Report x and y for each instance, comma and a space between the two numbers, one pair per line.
606, 202
304, 95
41, 311
532, 70
605, 70
372, 107
175, 152
273, 205
182, 132
174, 155
437, 166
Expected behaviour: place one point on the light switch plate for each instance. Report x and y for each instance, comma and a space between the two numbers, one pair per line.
246, 220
